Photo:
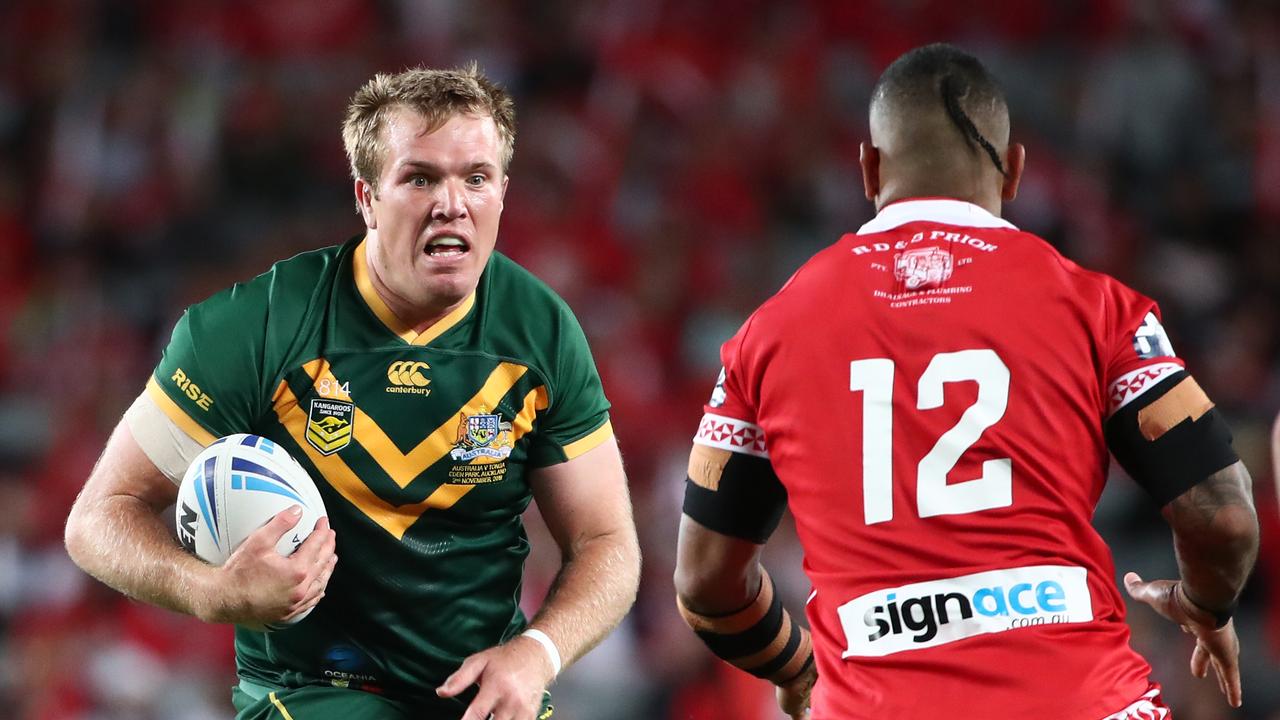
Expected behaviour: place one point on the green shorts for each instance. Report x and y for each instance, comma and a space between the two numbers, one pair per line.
317, 702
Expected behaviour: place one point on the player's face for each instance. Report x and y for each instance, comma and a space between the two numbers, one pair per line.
436, 209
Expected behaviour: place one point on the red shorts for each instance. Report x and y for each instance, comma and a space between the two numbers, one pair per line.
1148, 707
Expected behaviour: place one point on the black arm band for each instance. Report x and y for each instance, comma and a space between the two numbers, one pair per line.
1164, 451
761, 639
1220, 617
747, 503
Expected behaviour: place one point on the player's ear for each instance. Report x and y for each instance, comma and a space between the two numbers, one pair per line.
364, 201
1014, 164
869, 159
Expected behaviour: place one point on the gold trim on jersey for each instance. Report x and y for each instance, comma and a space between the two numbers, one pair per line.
178, 415
589, 442
392, 518
534, 402
280, 706
364, 284
402, 467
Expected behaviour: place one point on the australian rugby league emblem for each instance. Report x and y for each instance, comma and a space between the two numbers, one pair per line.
329, 425
484, 443
482, 435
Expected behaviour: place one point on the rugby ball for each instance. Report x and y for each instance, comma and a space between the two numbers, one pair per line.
234, 487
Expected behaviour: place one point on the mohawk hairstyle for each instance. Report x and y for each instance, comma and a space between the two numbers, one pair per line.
945, 73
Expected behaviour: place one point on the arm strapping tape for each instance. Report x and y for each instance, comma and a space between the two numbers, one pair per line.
761, 638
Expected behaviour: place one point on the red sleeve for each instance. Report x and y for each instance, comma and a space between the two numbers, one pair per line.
1138, 352
729, 417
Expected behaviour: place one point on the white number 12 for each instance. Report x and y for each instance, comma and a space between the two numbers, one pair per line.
934, 496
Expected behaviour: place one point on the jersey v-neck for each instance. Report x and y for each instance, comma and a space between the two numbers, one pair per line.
380, 310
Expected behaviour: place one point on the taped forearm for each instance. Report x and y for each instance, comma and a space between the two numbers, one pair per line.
761, 639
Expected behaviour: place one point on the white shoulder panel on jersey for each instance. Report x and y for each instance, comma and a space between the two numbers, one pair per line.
166, 444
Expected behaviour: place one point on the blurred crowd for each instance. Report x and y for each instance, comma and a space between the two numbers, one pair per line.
675, 162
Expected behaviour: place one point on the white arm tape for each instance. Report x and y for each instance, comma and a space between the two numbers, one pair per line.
166, 444
547, 645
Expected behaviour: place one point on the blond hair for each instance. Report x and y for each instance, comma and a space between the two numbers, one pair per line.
436, 95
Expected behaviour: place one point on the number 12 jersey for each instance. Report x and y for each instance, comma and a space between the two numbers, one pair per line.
931, 392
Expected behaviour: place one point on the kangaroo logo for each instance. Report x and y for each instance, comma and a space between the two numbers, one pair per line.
329, 425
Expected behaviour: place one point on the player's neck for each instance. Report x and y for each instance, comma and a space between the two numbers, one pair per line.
991, 203
418, 320
415, 317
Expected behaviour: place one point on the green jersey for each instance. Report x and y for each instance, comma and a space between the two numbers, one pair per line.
420, 444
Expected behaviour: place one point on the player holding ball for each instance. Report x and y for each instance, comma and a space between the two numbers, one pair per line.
431, 388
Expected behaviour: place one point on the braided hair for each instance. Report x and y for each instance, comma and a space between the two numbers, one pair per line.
917, 79
951, 98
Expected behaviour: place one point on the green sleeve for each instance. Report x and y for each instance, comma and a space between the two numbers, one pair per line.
210, 380
577, 419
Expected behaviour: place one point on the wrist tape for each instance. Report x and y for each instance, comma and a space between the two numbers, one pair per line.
553, 653
1220, 617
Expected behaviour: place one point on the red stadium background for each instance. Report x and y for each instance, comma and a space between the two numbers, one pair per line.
675, 162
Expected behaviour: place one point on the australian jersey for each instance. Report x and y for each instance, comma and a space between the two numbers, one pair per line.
420, 443
931, 392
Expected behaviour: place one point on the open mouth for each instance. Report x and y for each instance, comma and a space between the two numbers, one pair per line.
445, 246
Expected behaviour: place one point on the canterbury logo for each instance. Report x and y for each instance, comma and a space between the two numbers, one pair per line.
408, 373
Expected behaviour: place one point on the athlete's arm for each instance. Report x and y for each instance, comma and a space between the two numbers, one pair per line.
117, 533
716, 574
585, 504
733, 503
1216, 539
1215, 534
1172, 440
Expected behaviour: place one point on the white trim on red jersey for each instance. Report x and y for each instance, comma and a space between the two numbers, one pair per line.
731, 434
1126, 388
1148, 707
941, 211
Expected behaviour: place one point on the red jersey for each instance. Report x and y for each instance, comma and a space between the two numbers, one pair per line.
931, 391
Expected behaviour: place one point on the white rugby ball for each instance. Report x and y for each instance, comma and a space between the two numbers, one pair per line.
233, 488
